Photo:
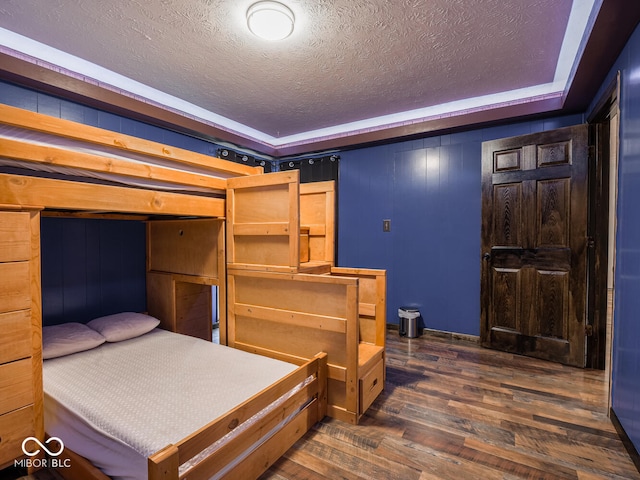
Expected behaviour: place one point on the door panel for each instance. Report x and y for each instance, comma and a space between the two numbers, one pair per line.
534, 211
508, 201
553, 213
506, 298
552, 289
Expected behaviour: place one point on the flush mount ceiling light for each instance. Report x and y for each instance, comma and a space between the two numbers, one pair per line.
270, 20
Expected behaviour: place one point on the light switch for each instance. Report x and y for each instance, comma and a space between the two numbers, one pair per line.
386, 225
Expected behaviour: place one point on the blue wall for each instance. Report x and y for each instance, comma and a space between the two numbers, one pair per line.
626, 338
91, 268
430, 189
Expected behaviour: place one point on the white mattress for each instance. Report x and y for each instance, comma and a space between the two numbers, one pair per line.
46, 139
121, 402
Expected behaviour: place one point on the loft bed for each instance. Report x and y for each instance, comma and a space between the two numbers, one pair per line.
209, 223
57, 167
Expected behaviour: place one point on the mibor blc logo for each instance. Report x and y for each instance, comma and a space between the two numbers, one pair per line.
53, 447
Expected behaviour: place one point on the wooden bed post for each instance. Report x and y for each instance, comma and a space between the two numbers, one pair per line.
164, 464
352, 342
322, 385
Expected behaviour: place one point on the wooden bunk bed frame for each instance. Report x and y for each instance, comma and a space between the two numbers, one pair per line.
22, 199
289, 316
282, 306
164, 464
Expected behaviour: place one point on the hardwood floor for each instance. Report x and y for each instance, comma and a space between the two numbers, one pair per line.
453, 410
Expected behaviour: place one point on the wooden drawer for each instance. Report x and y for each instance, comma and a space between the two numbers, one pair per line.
14, 428
371, 384
15, 288
15, 335
15, 236
16, 385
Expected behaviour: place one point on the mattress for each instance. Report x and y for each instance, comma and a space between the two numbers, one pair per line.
71, 145
121, 402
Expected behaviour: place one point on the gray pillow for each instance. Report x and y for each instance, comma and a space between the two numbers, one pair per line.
123, 326
68, 338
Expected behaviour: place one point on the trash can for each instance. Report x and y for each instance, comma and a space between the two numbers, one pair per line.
408, 326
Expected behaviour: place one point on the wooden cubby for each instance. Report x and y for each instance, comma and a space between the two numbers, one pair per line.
263, 225
317, 214
185, 258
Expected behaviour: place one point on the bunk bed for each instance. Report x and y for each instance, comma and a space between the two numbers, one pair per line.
49, 165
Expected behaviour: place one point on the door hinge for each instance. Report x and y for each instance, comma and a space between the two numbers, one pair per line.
588, 330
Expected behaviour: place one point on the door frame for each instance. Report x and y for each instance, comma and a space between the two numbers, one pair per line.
601, 228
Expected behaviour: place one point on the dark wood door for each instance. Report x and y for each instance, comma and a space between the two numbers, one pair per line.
534, 244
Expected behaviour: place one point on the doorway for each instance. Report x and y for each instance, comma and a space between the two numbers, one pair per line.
548, 241
604, 124
534, 244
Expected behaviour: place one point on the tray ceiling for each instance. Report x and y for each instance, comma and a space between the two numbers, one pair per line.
348, 68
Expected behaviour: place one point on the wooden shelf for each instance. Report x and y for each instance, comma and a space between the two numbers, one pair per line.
315, 267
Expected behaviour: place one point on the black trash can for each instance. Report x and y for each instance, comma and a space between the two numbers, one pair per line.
408, 326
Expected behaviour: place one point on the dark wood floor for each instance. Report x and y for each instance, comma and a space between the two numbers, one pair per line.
453, 410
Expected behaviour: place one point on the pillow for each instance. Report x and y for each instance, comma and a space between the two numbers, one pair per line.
68, 338
123, 326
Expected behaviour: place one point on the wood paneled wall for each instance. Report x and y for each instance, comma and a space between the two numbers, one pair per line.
430, 190
91, 268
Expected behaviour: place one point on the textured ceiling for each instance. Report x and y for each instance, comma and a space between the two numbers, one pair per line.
346, 61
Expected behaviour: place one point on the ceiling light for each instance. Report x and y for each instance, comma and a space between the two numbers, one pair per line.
270, 20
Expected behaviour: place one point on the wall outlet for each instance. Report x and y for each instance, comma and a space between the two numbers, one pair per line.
386, 225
